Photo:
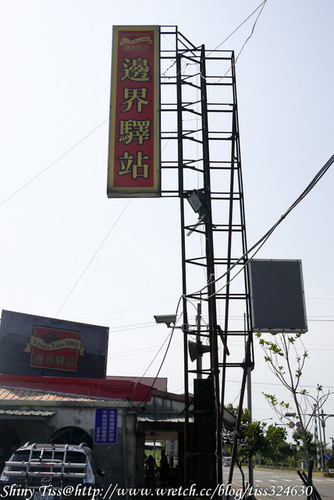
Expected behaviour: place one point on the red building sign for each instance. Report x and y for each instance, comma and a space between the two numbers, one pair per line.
39, 346
54, 349
134, 115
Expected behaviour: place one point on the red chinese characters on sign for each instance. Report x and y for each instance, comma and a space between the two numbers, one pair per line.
54, 349
134, 141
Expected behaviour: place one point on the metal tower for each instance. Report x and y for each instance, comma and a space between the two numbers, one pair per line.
201, 164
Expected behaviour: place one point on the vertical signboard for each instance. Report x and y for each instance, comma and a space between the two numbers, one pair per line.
105, 426
134, 137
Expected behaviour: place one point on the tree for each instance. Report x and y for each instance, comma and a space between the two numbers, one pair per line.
251, 438
275, 436
286, 356
286, 454
297, 436
311, 445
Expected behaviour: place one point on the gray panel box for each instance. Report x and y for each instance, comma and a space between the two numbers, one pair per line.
277, 296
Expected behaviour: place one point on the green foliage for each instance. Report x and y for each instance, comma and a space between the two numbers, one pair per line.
251, 436
286, 357
301, 435
275, 403
275, 437
256, 438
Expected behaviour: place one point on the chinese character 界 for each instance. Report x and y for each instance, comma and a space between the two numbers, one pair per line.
50, 359
130, 95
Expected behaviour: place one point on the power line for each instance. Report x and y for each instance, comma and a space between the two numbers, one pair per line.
164, 357
53, 163
121, 311
156, 355
259, 244
126, 328
144, 350
91, 260
252, 32
261, 6
243, 22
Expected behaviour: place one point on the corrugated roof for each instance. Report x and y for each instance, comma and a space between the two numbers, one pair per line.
16, 394
92, 388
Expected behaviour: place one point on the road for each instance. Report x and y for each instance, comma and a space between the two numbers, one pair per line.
273, 484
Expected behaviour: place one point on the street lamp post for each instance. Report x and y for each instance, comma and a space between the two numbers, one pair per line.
323, 423
318, 445
322, 419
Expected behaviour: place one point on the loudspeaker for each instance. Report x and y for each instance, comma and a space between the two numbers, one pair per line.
196, 350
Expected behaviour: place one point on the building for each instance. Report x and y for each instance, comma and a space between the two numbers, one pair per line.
115, 416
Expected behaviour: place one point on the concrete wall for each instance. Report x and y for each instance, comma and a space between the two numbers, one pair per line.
118, 460
123, 462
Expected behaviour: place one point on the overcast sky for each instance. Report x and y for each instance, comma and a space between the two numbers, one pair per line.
69, 251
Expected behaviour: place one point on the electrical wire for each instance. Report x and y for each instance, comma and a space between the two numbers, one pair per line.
155, 357
128, 328
105, 121
145, 350
163, 359
243, 22
91, 260
121, 311
261, 6
246, 41
53, 163
259, 244
160, 367
252, 31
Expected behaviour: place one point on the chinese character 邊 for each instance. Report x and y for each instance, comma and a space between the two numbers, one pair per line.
136, 70
39, 358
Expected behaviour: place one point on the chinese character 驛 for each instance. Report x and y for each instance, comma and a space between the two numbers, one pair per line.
134, 130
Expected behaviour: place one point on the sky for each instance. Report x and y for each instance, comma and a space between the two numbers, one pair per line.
67, 251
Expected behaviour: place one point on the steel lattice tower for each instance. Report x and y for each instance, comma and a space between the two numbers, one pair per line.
201, 164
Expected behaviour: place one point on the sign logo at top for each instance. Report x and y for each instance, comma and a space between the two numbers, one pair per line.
134, 156
136, 43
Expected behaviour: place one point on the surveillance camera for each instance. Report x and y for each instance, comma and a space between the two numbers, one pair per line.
168, 319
